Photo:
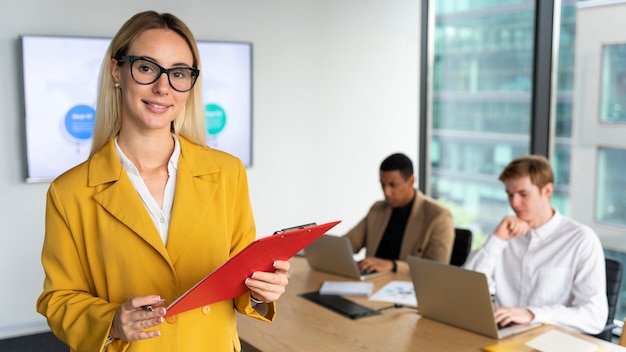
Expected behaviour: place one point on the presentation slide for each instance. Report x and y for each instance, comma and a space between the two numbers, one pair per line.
60, 92
227, 94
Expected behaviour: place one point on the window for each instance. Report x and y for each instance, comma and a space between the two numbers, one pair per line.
611, 187
613, 97
481, 105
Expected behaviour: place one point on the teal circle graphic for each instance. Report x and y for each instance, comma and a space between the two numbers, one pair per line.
79, 121
215, 118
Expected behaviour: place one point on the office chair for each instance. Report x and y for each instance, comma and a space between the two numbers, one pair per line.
613, 283
461, 247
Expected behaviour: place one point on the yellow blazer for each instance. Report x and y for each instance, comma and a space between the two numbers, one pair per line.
429, 231
102, 247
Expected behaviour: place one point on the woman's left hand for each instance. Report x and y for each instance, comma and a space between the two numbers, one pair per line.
268, 287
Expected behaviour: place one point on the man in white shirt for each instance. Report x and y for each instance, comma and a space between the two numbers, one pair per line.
544, 267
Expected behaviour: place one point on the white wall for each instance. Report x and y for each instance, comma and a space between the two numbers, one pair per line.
335, 91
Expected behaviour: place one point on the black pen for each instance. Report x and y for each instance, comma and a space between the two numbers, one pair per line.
148, 308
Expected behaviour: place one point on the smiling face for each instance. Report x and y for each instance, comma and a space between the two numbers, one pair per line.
152, 107
528, 201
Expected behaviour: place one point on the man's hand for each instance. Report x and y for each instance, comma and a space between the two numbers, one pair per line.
511, 226
373, 264
507, 315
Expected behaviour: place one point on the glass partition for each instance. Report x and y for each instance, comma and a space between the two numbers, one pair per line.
481, 105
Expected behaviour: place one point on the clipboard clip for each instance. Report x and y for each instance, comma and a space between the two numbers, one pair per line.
299, 227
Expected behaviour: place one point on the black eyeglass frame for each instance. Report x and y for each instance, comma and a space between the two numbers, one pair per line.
131, 59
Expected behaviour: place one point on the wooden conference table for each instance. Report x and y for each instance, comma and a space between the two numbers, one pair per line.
302, 325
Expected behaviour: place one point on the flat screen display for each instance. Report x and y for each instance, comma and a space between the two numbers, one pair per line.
60, 91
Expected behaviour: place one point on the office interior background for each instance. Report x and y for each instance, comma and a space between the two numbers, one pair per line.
339, 85
335, 86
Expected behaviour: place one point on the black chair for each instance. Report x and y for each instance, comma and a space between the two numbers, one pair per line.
613, 283
461, 247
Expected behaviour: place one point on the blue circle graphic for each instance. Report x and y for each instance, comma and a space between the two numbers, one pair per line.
215, 118
79, 121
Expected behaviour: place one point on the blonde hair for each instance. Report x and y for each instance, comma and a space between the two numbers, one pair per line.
189, 124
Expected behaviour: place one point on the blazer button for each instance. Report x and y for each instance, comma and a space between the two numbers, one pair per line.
171, 319
206, 310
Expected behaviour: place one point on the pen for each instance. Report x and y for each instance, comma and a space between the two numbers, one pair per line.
149, 308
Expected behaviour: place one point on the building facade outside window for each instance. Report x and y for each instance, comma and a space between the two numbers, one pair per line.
481, 105
480, 113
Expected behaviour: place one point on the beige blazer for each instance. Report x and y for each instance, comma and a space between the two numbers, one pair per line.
429, 231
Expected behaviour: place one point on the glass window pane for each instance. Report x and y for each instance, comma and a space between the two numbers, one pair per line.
611, 187
613, 97
482, 79
563, 107
481, 106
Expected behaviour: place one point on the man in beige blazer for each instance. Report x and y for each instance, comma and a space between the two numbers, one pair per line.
406, 223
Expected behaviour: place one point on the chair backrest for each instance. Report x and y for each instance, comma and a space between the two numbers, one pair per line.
613, 283
461, 247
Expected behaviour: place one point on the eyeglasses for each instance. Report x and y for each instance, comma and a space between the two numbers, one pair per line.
145, 71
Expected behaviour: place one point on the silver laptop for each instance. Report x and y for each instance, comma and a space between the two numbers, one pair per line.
333, 254
458, 297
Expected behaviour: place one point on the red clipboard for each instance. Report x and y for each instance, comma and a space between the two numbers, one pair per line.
227, 281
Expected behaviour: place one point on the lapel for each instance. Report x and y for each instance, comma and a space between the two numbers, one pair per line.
414, 223
195, 189
379, 224
120, 199
197, 181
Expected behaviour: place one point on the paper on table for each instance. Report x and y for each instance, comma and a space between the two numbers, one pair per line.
556, 341
396, 292
516, 345
347, 288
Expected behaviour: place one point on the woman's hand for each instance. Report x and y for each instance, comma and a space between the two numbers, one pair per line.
268, 287
136, 315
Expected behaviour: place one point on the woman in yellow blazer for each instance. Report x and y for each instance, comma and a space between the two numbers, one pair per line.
151, 212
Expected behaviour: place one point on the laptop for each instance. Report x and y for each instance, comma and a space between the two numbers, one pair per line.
458, 297
333, 254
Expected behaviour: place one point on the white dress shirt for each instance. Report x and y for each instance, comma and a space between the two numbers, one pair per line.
557, 271
160, 216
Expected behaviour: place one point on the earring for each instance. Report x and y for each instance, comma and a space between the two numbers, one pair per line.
117, 84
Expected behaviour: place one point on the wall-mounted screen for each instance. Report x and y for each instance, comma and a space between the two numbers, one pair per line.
60, 90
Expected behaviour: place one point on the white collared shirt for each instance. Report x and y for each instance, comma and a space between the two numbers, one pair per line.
160, 216
557, 271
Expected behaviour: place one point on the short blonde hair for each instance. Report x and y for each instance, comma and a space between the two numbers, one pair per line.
537, 167
189, 124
